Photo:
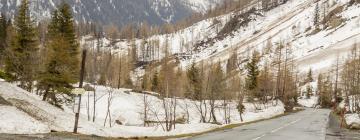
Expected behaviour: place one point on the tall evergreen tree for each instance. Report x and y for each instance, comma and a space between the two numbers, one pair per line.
324, 91
252, 72
155, 82
316, 14
21, 61
309, 76
65, 27
3, 36
193, 75
62, 62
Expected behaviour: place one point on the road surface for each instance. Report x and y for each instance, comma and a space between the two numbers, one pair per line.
309, 124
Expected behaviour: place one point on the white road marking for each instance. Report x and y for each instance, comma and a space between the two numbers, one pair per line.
277, 129
259, 137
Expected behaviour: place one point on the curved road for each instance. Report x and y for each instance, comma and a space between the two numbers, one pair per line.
309, 124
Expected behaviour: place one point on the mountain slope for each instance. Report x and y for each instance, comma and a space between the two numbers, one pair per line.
291, 23
116, 11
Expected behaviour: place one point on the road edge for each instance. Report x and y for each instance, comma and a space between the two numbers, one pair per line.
226, 127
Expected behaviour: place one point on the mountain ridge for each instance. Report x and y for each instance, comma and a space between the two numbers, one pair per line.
119, 12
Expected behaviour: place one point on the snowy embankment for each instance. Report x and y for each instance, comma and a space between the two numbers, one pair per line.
29, 114
54, 118
313, 99
128, 108
311, 102
17, 122
352, 118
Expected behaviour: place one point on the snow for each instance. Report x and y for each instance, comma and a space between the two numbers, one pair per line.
352, 119
17, 122
129, 108
41, 117
312, 85
201, 6
287, 23
53, 117
311, 102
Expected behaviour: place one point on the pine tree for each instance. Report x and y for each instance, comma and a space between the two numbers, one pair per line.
3, 36
62, 62
308, 91
193, 75
309, 77
21, 61
67, 30
316, 14
155, 82
231, 63
324, 91
252, 72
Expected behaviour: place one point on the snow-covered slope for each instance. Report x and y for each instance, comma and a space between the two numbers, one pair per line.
290, 23
15, 121
129, 109
36, 109
201, 6
117, 11
37, 116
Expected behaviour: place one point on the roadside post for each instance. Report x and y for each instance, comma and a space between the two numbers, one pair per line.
79, 91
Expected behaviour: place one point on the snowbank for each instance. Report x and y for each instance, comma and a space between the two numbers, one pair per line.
31, 115
55, 118
15, 121
312, 102
353, 121
129, 107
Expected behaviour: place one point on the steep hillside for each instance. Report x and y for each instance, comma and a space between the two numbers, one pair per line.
291, 23
117, 11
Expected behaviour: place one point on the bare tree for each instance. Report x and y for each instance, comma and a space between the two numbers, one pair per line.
110, 92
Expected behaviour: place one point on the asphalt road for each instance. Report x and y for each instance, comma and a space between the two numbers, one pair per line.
309, 124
